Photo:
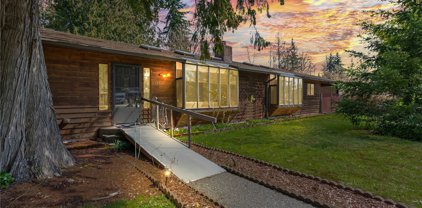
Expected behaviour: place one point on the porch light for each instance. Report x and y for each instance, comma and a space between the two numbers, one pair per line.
165, 75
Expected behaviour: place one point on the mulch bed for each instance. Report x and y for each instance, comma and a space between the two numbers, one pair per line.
318, 190
178, 189
100, 176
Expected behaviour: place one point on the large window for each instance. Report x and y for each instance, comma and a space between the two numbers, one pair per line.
210, 87
290, 90
103, 103
191, 86
147, 86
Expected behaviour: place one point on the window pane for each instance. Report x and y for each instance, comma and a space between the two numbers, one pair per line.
179, 68
290, 91
300, 91
191, 86
313, 89
214, 75
234, 94
273, 79
286, 90
224, 87
310, 89
273, 91
203, 86
179, 93
103, 87
147, 86
295, 89
280, 87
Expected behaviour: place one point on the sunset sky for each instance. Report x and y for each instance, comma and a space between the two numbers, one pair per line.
318, 27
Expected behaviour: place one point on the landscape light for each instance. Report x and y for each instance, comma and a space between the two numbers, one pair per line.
167, 174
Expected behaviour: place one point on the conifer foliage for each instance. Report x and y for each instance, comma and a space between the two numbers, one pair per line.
384, 92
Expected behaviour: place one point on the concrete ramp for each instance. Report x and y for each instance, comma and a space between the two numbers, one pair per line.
186, 164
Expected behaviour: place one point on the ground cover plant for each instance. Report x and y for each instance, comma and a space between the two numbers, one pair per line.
158, 201
333, 148
5, 180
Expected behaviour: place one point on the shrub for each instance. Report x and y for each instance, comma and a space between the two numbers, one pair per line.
121, 145
388, 117
402, 121
5, 180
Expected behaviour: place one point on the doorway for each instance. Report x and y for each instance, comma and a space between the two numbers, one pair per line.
126, 93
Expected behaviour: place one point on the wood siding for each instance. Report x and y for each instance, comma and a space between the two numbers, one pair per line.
311, 103
73, 78
251, 96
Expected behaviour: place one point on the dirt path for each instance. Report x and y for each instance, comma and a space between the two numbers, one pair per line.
100, 172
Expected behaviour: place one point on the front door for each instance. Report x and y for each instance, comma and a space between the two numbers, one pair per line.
126, 93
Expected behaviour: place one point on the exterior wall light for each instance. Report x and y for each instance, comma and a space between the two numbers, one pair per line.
166, 75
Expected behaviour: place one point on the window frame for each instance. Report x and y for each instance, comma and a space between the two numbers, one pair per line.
102, 106
310, 87
290, 91
229, 91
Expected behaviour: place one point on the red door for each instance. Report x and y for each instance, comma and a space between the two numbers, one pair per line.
326, 104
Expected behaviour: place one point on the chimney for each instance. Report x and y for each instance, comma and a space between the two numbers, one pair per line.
227, 53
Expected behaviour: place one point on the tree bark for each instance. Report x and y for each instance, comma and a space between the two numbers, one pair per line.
30, 141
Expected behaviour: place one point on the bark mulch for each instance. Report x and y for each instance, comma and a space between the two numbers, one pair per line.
101, 175
325, 193
178, 189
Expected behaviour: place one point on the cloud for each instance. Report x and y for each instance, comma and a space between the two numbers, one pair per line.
319, 27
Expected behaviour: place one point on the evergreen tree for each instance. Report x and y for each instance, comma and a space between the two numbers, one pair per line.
176, 32
333, 68
385, 90
287, 57
291, 58
214, 18
120, 20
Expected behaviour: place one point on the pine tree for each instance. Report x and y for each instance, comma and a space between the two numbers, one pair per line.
176, 32
120, 20
333, 67
214, 18
385, 90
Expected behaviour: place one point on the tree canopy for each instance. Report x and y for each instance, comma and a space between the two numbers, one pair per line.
287, 56
128, 21
215, 17
137, 21
385, 90
333, 67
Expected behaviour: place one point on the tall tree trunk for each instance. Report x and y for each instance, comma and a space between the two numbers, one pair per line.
30, 141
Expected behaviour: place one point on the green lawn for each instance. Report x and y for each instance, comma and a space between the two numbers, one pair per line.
158, 201
331, 147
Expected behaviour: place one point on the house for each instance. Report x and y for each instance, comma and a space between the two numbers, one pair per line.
97, 83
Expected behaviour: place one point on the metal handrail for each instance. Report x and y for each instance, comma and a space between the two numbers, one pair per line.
190, 114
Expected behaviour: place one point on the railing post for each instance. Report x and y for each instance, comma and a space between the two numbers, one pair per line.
189, 131
157, 117
171, 124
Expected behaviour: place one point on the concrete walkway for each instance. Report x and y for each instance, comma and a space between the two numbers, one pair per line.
183, 162
204, 175
233, 191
